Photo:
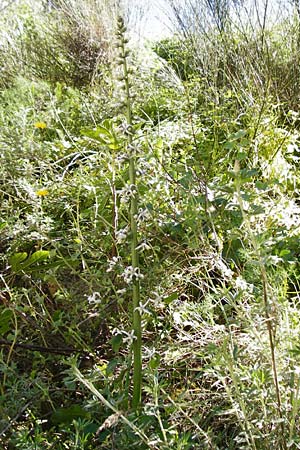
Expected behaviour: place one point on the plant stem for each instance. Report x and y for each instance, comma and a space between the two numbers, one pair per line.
137, 343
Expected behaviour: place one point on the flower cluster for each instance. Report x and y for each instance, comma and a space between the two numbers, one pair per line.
128, 191
132, 274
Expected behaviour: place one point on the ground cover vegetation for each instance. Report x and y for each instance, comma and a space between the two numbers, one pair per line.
149, 226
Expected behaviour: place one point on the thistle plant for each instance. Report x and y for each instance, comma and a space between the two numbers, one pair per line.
135, 279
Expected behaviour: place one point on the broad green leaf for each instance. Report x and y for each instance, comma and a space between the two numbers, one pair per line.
16, 259
21, 261
262, 186
90, 428
111, 366
38, 256
248, 173
229, 145
103, 134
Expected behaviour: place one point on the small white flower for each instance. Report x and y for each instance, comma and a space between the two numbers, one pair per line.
128, 191
143, 246
112, 263
142, 308
126, 128
177, 318
240, 283
131, 274
297, 370
121, 235
143, 215
225, 271
94, 299
121, 291
210, 194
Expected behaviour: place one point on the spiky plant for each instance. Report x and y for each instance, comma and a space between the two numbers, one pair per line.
128, 128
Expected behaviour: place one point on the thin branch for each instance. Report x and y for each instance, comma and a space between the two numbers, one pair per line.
41, 349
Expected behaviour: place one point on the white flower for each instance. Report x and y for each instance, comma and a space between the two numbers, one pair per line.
240, 283
132, 274
177, 318
112, 263
143, 246
225, 271
143, 215
128, 191
94, 299
121, 235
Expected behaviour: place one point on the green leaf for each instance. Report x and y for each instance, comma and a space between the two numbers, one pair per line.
238, 135
241, 156
171, 298
90, 428
262, 186
116, 342
229, 145
113, 146
2, 225
5, 318
21, 261
154, 361
16, 259
38, 256
111, 366
104, 134
67, 415
248, 173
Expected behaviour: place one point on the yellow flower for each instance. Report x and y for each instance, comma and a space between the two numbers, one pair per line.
40, 125
42, 192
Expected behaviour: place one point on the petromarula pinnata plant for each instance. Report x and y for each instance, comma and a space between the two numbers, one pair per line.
123, 54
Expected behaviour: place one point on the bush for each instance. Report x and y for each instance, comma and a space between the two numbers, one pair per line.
54, 46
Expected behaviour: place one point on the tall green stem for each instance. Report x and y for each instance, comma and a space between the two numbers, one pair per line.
137, 343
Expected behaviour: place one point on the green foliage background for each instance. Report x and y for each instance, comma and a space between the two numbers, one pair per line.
216, 137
